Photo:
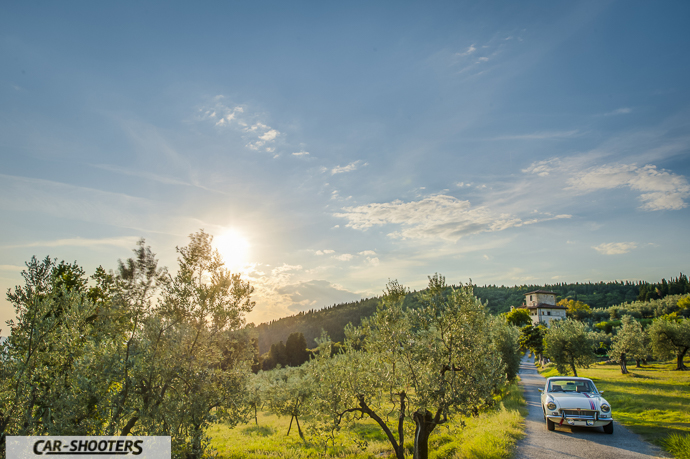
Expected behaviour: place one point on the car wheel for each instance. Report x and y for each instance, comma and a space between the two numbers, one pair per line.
550, 425
608, 428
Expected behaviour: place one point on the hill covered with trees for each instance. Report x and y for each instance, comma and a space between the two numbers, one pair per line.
333, 319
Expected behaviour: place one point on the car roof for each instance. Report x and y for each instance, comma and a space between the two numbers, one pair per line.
555, 378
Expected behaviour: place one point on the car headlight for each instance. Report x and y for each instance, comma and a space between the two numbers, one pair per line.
605, 408
551, 406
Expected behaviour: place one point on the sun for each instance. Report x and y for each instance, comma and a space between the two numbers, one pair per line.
233, 247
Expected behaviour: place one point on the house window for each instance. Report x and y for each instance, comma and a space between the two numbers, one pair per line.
548, 313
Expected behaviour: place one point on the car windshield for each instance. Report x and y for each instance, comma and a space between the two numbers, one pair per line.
571, 385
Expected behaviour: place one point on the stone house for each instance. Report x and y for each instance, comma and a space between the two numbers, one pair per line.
542, 307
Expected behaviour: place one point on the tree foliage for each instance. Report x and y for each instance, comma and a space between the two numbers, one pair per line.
568, 345
506, 338
293, 353
600, 296
518, 317
431, 363
575, 309
532, 338
287, 394
140, 352
671, 337
629, 342
656, 291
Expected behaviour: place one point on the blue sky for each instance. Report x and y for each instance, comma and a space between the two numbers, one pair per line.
332, 146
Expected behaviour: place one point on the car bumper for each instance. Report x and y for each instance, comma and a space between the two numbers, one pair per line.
579, 422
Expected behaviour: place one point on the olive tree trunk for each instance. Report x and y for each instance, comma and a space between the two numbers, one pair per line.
679, 360
624, 364
425, 424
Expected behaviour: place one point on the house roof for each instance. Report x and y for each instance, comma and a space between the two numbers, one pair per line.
543, 306
540, 291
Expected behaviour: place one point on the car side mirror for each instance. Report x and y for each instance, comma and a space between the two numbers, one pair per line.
541, 390
601, 392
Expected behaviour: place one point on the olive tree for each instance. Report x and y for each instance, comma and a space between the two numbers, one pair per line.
518, 317
568, 345
257, 388
532, 338
430, 363
670, 337
287, 394
506, 339
140, 352
629, 342
55, 320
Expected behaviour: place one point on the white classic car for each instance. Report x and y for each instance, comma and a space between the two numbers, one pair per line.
576, 402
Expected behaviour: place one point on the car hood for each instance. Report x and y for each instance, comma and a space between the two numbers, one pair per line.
574, 400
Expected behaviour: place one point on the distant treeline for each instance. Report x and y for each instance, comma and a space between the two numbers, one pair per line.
333, 319
310, 323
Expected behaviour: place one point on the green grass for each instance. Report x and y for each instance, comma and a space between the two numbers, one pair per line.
490, 435
653, 401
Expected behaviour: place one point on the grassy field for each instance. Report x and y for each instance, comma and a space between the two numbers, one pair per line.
653, 401
490, 435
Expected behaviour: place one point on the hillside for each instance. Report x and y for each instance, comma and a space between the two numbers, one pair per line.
333, 319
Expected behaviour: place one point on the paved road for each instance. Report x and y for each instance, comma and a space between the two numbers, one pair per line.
568, 442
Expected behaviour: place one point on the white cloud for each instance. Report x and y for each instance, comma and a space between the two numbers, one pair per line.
659, 189
315, 294
69, 201
367, 252
516, 274
285, 268
615, 248
344, 257
256, 133
539, 135
483, 59
543, 168
300, 153
152, 177
620, 111
126, 242
269, 135
324, 252
284, 291
142, 174
374, 261
12, 268
350, 167
433, 217
469, 51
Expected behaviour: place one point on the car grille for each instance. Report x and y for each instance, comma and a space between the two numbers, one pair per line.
585, 414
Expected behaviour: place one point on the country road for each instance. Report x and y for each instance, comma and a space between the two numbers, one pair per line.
567, 442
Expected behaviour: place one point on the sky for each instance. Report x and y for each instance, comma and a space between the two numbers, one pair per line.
332, 146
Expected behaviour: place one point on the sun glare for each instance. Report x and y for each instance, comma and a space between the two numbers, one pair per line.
233, 247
